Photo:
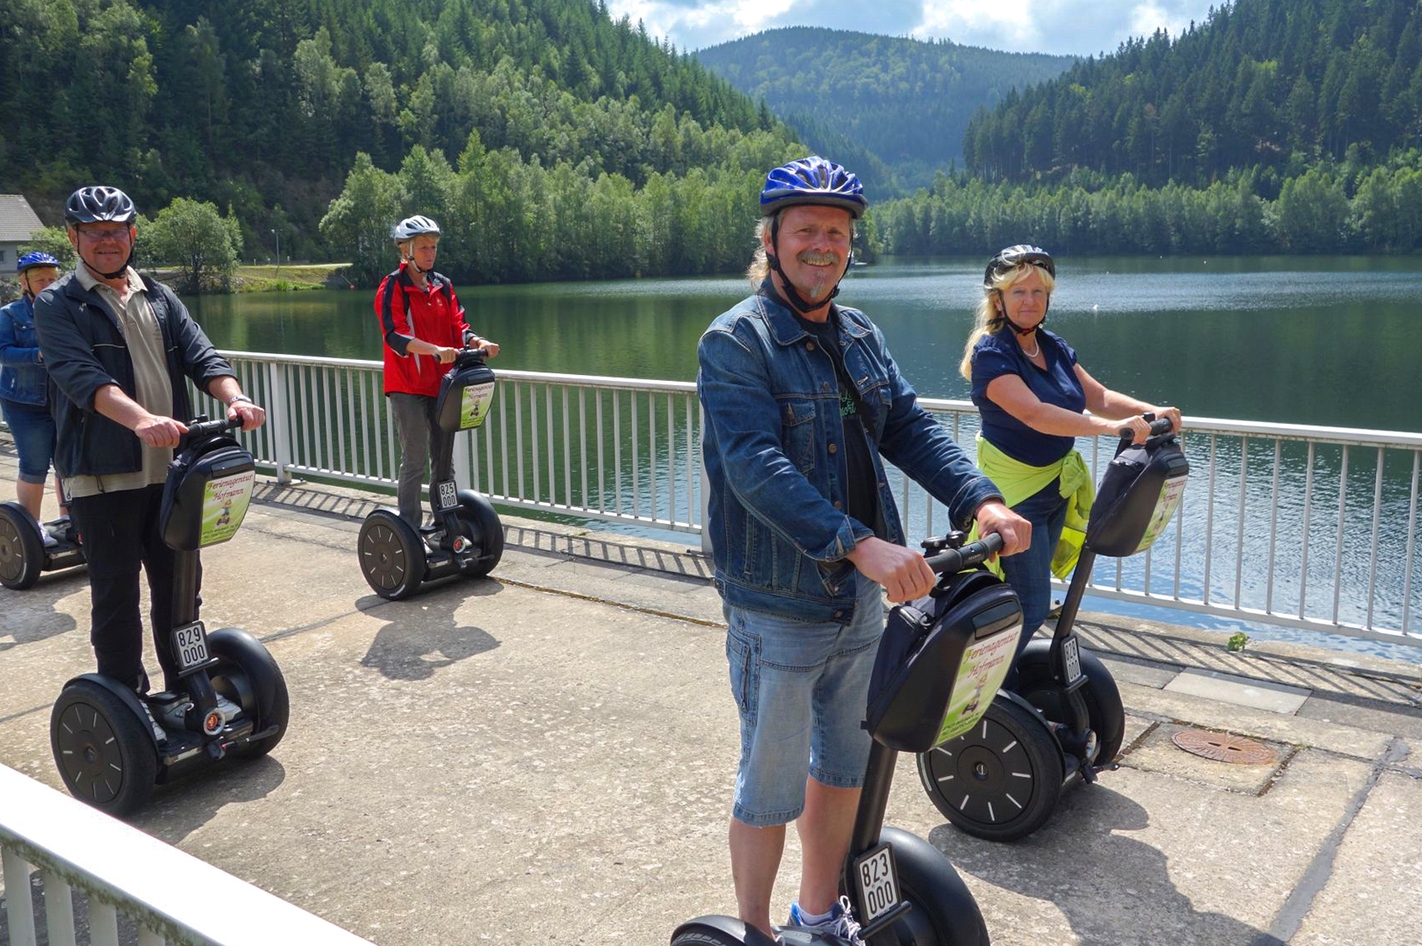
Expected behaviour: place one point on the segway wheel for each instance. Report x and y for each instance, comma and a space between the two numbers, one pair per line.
704, 938
1000, 781
478, 514
392, 557
944, 911
21, 551
247, 675
104, 753
1103, 707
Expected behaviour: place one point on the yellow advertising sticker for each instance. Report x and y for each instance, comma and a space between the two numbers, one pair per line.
984, 667
224, 505
474, 405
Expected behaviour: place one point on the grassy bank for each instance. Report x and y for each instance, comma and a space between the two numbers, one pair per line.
289, 278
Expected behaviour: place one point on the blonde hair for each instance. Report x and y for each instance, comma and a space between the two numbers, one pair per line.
988, 320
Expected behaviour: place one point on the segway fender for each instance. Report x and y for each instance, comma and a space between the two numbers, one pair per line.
252, 657
728, 928
937, 889
125, 695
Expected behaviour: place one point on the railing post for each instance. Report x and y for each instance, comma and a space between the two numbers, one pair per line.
19, 908
280, 420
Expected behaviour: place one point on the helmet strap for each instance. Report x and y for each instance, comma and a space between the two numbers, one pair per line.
118, 272
1024, 332
797, 302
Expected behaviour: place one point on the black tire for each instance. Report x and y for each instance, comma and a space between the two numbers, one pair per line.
392, 557
247, 675
1012, 769
21, 549
1103, 707
704, 938
1105, 714
944, 911
103, 750
484, 527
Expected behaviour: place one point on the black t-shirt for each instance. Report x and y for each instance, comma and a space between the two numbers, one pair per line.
861, 490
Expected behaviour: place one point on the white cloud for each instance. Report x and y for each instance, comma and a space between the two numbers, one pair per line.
1066, 26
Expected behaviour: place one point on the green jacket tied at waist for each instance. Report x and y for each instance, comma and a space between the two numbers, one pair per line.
1018, 481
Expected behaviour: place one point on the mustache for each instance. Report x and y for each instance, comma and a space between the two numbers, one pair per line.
811, 258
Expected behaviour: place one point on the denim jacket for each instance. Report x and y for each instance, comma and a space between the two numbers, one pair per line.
22, 378
779, 535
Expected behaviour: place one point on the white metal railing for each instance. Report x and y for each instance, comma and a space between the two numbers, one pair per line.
171, 896
1311, 527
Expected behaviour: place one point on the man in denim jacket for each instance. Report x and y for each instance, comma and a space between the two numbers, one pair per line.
802, 402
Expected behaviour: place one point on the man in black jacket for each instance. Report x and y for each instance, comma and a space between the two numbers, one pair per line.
120, 349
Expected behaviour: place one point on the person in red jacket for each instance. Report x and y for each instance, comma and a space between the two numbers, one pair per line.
423, 326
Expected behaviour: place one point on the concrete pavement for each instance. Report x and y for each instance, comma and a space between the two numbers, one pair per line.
547, 756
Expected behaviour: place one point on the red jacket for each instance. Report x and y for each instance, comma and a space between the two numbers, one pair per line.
405, 312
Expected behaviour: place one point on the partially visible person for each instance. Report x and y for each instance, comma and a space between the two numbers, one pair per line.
121, 349
804, 404
1033, 397
24, 402
424, 328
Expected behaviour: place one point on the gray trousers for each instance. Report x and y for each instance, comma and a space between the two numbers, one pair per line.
421, 441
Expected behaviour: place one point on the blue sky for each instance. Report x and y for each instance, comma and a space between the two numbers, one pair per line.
1059, 26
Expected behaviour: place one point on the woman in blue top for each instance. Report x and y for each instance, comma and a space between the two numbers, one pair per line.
1032, 396
23, 401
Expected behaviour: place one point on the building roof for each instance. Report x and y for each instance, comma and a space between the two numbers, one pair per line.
17, 219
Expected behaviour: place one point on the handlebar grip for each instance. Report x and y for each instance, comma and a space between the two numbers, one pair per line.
208, 428
974, 553
1158, 427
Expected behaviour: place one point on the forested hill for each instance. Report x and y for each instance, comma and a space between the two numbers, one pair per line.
894, 106
262, 106
1271, 84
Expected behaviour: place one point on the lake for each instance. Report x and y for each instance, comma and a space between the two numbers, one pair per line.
1306, 340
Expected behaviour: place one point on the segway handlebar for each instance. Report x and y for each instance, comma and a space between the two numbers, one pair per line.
974, 553
208, 428
1159, 426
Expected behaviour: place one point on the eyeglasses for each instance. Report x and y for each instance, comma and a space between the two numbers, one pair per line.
120, 234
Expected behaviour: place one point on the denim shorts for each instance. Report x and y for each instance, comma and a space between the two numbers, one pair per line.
801, 689
33, 430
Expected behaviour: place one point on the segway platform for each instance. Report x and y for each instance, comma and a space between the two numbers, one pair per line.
23, 556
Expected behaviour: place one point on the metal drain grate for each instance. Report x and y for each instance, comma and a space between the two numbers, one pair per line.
1223, 747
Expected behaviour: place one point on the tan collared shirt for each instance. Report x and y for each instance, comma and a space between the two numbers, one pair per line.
153, 390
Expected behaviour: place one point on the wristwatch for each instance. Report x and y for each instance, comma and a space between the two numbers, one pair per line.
238, 397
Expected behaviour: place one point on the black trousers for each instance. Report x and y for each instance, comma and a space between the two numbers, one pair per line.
121, 532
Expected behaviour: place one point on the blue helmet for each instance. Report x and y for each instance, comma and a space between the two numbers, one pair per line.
812, 180
35, 260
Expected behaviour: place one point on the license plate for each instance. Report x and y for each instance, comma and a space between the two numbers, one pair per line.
446, 494
190, 646
1071, 657
876, 883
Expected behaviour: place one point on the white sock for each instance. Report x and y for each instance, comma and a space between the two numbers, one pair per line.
814, 919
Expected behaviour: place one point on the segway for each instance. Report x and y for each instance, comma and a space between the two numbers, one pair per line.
939, 663
22, 553
1062, 722
111, 744
466, 537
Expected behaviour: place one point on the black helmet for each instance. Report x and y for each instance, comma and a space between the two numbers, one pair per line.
1011, 257
95, 204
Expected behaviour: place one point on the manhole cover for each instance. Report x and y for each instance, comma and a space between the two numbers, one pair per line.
1223, 748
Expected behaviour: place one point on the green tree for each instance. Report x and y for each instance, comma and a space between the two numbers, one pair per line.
200, 241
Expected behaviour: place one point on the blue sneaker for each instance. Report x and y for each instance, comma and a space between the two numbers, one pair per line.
841, 922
